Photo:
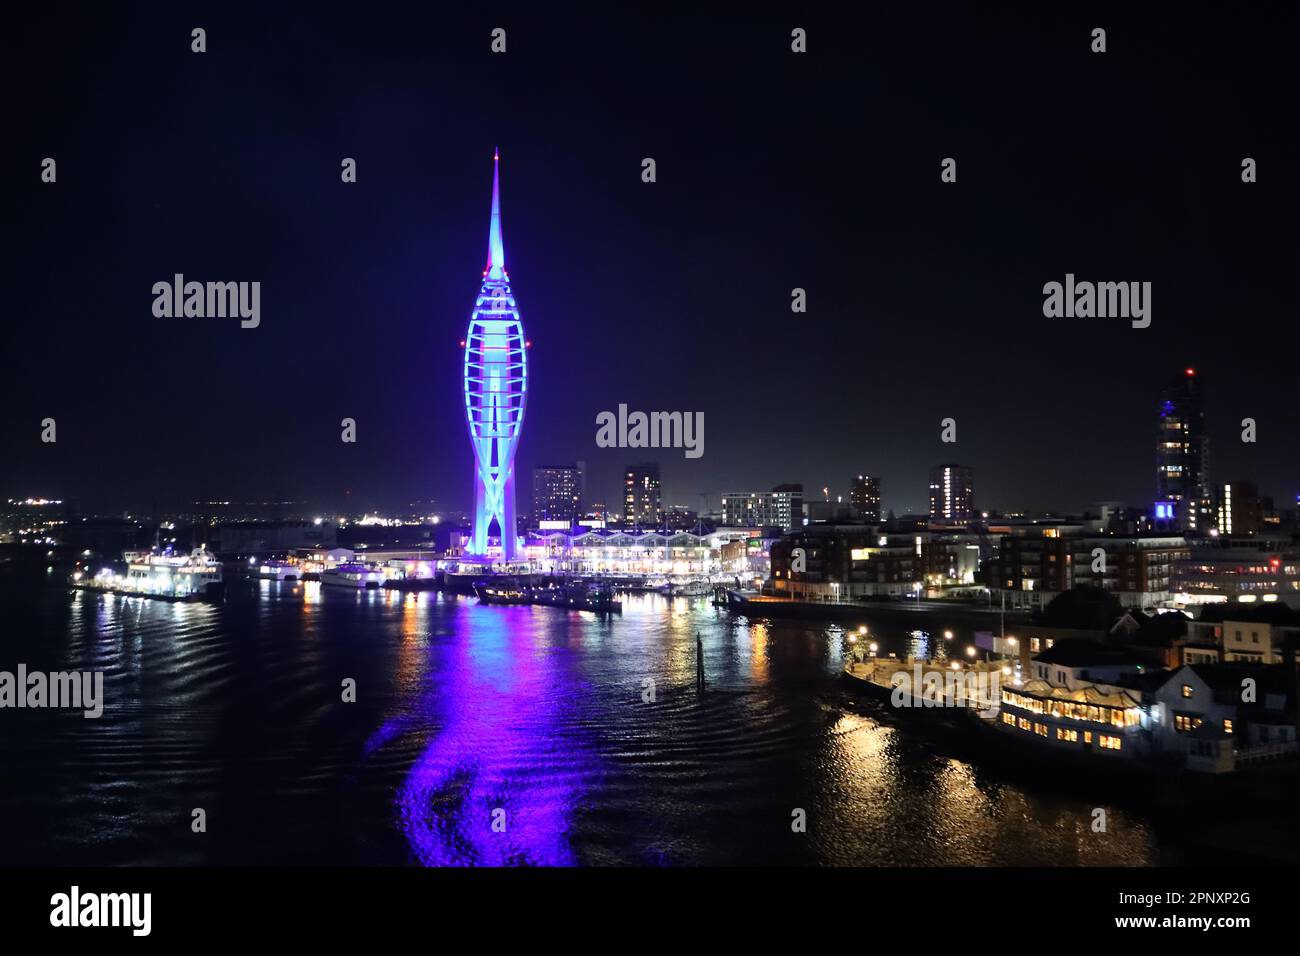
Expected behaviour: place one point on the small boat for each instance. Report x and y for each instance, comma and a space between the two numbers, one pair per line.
277, 571
358, 576
577, 597
692, 589
501, 595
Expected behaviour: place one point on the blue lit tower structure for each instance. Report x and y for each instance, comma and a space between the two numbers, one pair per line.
496, 389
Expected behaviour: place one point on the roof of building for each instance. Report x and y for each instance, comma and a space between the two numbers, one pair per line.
1226, 679
1151, 630
1082, 695
1275, 613
1081, 652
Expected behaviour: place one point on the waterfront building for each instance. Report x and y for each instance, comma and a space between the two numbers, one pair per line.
1074, 699
496, 391
1183, 490
1033, 568
952, 492
642, 496
782, 507
864, 499
1093, 718
845, 563
647, 553
1096, 698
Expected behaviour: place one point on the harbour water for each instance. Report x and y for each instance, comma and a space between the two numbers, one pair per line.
583, 738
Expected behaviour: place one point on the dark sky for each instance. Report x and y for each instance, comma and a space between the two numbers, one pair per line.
775, 170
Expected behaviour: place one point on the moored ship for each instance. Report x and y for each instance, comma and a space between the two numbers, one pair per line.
160, 574
356, 576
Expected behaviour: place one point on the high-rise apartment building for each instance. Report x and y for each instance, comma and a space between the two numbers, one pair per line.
952, 492
782, 507
642, 496
864, 497
1183, 490
557, 492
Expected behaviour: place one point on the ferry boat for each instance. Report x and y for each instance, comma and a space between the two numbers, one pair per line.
160, 574
357, 576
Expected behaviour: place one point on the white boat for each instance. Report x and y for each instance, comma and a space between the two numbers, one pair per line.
278, 571
356, 576
692, 589
160, 574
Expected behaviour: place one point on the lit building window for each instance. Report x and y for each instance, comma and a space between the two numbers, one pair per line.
1187, 690
1110, 743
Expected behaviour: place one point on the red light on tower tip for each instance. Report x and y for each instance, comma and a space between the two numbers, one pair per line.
1191, 371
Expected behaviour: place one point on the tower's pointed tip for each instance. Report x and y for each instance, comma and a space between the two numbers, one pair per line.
496, 249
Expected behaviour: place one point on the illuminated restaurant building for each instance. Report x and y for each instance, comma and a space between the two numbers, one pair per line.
1091, 717
680, 553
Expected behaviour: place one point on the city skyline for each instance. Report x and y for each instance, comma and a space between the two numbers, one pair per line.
946, 321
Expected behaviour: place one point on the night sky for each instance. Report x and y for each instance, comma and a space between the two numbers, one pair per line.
775, 171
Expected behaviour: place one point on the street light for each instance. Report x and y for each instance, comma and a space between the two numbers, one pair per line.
947, 635
970, 650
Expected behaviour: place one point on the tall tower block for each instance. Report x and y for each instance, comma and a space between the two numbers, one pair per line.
496, 390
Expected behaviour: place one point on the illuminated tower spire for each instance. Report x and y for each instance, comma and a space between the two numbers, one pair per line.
496, 264
496, 388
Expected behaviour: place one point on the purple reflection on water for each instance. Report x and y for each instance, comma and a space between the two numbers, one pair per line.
504, 703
